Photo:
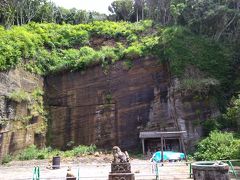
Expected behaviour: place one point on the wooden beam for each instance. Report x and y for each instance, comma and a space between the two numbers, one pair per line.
183, 146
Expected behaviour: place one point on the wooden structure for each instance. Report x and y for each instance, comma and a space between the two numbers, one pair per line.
163, 136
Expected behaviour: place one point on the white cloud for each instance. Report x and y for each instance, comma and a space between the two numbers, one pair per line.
89, 5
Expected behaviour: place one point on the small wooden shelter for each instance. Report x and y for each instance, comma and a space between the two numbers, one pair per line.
162, 137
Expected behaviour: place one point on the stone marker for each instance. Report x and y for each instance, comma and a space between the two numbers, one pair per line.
120, 166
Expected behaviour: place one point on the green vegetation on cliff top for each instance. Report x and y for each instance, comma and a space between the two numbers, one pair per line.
45, 48
51, 48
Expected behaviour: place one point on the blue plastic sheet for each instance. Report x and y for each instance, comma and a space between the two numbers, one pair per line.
167, 155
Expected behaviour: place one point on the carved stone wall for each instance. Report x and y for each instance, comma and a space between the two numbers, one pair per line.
109, 107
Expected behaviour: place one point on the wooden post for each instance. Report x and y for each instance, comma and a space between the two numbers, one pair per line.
183, 146
180, 145
162, 147
143, 146
164, 142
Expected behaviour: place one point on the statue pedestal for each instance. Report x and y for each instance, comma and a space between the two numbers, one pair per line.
122, 176
121, 171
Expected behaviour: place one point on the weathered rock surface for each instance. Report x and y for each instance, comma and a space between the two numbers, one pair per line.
14, 133
107, 109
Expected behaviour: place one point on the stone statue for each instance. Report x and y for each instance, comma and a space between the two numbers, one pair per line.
119, 156
120, 166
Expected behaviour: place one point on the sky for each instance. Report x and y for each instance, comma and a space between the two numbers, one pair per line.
89, 5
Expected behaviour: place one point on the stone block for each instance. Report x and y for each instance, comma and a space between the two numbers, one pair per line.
121, 167
121, 176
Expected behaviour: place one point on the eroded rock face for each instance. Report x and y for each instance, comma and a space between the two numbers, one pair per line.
14, 135
190, 111
111, 107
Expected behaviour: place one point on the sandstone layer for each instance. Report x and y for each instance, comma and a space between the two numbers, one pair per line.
18, 127
111, 105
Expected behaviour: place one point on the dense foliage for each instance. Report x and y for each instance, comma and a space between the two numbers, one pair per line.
44, 48
52, 48
215, 18
182, 48
218, 146
232, 115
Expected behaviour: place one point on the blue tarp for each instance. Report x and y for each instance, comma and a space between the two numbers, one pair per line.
167, 155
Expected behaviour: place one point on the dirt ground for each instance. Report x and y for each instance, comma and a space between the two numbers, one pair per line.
91, 168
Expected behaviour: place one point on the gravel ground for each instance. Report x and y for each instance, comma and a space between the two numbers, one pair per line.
91, 168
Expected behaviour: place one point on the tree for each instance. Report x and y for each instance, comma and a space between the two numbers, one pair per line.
216, 18
98, 16
47, 12
7, 10
19, 11
159, 11
233, 113
139, 6
123, 9
31, 8
176, 9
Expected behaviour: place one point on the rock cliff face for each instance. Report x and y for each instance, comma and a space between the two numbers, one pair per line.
111, 106
18, 128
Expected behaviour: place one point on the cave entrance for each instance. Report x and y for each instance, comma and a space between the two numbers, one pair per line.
153, 141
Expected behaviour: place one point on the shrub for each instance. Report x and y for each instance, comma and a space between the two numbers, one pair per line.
218, 146
28, 153
45, 48
128, 64
36, 106
211, 124
32, 152
7, 158
41, 156
80, 150
19, 96
134, 51
232, 115
200, 85
181, 47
